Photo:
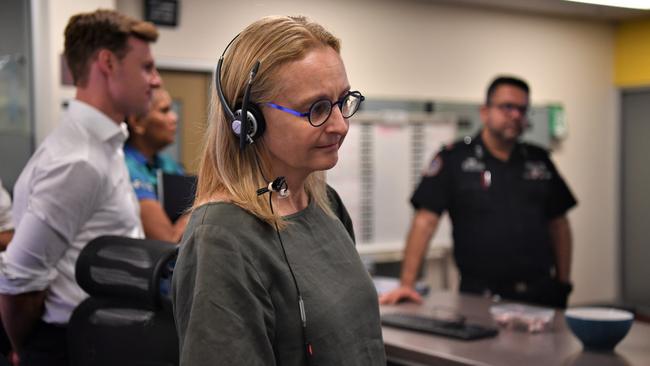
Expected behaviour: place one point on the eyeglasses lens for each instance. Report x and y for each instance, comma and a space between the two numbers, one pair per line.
349, 105
319, 112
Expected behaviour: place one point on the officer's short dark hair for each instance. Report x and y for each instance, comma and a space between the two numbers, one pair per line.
505, 80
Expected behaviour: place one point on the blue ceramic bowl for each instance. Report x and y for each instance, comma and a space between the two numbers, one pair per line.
599, 329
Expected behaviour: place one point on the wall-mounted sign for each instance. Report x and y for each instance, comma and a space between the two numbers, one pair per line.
162, 12
557, 123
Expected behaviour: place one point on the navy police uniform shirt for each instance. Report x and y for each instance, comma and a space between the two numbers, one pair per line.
500, 211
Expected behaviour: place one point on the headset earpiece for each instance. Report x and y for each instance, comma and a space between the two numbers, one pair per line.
253, 125
256, 122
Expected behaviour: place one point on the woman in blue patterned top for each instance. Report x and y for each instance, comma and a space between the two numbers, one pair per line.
150, 134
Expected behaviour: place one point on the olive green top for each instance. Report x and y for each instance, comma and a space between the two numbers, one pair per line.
235, 302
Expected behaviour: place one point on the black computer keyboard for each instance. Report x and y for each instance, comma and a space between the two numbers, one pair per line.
444, 328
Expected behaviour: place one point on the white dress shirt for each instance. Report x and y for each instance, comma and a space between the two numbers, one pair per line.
6, 223
73, 189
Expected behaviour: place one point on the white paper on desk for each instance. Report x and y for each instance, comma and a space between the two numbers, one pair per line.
387, 284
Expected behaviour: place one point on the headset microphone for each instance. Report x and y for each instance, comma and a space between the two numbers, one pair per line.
278, 185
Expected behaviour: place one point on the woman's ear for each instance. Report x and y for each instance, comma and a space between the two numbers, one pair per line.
136, 125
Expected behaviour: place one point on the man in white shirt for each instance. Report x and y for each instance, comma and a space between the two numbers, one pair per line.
76, 185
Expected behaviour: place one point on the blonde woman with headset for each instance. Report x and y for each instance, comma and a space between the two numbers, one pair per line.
267, 272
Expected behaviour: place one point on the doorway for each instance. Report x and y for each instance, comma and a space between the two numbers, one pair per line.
635, 199
190, 92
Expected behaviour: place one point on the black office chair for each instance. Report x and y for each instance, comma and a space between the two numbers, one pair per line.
127, 320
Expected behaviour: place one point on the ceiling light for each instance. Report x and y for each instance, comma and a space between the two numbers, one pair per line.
631, 4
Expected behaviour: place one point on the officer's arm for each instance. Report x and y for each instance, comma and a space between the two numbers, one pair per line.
562, 246
423, 226
422, 229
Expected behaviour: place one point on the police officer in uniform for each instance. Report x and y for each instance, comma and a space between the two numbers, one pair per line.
508, 206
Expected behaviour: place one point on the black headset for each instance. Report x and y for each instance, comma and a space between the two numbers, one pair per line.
254, 124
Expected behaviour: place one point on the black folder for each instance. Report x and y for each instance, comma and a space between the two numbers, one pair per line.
176, 193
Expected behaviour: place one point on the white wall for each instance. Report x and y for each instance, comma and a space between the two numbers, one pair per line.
419, 49
49, 19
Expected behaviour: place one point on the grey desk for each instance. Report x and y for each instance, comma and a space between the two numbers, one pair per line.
555, 347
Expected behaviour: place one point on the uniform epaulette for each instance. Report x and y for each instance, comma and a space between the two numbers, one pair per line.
451, 146
461, 143
534, 148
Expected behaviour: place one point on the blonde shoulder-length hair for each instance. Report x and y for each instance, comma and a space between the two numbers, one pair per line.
224, 170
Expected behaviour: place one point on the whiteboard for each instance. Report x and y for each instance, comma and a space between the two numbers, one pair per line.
379, 167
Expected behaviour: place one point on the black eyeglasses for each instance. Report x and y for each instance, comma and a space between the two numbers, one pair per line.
320, 110
511, 107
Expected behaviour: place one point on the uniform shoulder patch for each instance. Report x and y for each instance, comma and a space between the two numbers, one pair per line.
434, 167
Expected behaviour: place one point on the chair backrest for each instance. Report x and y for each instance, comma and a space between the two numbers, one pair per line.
127, 320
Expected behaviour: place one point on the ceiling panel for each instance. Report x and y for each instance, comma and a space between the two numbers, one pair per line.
555, 7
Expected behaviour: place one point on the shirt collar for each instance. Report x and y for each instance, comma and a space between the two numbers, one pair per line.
97, 123
518, 150
139, 157
135, 153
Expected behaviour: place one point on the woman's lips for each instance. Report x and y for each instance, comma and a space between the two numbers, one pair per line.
329, 146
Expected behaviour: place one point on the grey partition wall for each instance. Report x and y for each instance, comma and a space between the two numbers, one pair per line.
16, 127
635, 200
467, 116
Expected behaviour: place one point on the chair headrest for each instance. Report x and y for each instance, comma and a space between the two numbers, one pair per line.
132, 269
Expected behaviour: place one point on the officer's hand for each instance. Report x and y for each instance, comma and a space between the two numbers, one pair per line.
403, 293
